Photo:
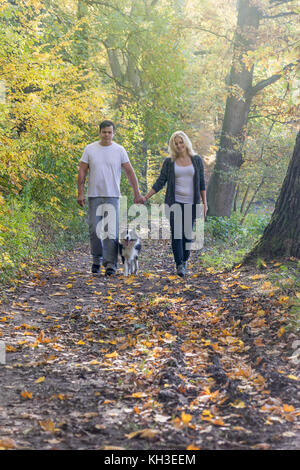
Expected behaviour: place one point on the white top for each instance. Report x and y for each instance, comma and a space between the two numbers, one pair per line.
104, 168
184, 187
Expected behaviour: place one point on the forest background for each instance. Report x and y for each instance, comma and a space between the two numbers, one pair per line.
153, 67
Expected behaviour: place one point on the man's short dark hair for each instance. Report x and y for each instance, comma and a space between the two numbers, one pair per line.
107, 124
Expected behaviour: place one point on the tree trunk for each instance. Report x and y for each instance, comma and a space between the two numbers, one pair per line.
281, 237
244, 199
252, 199
222, 183
236, 198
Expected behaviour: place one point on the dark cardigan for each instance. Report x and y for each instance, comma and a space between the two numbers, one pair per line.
167, 175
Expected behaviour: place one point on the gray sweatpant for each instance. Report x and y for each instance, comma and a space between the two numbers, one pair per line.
104, 230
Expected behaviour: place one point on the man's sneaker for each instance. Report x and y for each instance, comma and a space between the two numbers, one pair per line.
109, 271
95, 268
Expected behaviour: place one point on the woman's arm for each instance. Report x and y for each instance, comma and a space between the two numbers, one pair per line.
163, 177
203, 187
203, 197
149, 194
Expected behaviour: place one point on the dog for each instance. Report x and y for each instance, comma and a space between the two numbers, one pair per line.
129, 249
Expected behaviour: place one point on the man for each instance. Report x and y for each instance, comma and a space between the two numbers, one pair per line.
104, 161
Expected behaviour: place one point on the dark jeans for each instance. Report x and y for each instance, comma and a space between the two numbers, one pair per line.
181, 224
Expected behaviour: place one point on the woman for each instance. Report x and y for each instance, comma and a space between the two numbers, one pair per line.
184, 174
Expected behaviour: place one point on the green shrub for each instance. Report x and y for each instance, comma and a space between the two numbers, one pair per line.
227, 240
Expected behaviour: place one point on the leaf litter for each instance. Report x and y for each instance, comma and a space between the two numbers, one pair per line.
147, 362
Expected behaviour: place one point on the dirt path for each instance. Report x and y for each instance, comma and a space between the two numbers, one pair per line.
146, 362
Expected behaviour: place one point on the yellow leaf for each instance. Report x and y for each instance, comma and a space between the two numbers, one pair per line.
288, 408
47, 425
206, 415
186, 418
293, 377
261, 313
192, 447
281, 332
138, 395
39, 380
114, 354
7, 443
80, 342
238, 404
69, 286
170, 337
218, 422
266, 285
143, 434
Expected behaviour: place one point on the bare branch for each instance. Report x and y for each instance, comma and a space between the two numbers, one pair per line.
199, 28
279, 15
279, 2
268, 81
264, 83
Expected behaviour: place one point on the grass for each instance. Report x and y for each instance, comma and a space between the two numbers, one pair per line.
30, 235
227, 241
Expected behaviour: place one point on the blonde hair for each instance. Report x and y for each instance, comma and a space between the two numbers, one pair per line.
186, 140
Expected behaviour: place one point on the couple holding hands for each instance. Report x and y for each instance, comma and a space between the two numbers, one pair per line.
183, 171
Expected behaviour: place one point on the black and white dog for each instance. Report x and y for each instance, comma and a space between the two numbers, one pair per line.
129, 249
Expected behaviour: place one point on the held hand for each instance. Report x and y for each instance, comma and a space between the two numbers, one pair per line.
81, 200
139, 199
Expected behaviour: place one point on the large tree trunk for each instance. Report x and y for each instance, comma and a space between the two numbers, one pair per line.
281, 237
222, 183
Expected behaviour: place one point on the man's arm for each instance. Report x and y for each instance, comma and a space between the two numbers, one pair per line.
82, 172
131, 176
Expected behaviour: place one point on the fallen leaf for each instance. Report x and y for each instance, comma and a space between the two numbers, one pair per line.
39, 380
7, 443
114, 354
186, 418
27, 395
281, 332
238, 404
143, 434
139, 395
288, 408
113, 448
47, 425
192, 447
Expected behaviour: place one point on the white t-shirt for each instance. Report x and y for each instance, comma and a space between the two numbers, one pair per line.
104, 168
184, 185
